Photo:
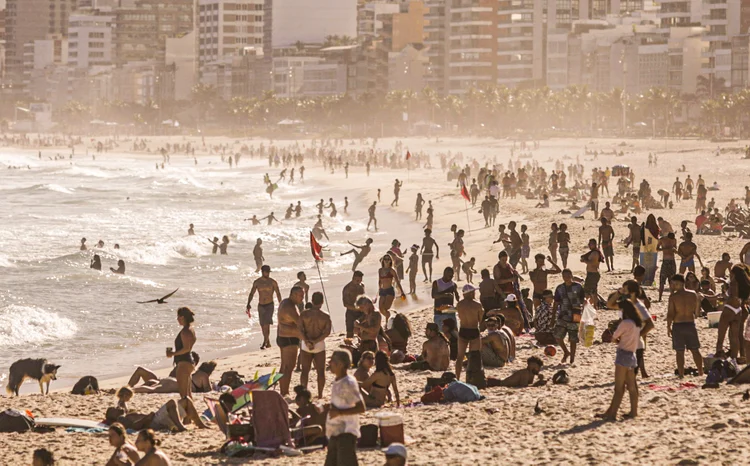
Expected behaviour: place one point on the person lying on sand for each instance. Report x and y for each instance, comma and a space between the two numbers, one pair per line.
521, 378
173, 415
153, 384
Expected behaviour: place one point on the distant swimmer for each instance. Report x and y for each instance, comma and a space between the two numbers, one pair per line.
320, 205
332, 206
120, 268
162, 300
371, 212
83, 244
302, 173
360, 255
253, 219
191, 230
291, 176
318, 230
100, 244
289, 212
117, 246
430, 216
270, 219
223, 246
215, 242
298, 209
346, 205
96, 263
258, 255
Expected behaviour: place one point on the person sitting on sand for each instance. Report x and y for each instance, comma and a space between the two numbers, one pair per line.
153, 384
400, 332
521, 378
311, 416
375, 390
366, 361
43, 457
174, 415
147, 443
495, 347
125, 453
124, 395
626, 337
435, 351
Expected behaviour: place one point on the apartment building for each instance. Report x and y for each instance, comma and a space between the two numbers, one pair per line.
90, 39
521, 36
369, 17
436, 45
226, 28
721, 20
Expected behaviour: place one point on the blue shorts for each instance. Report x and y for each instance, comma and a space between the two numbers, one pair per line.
626, 359
387, 292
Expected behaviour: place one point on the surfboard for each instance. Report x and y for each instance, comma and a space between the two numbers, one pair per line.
69, 422
581, 211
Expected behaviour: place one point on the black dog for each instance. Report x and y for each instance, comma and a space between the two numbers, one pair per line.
36, 369
86, 385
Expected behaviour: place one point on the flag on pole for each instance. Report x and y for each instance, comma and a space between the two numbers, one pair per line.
316, 248
408, 155
465, 193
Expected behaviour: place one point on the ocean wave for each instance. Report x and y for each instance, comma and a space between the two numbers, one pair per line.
57, 188
6, 262
27, 324
161, 253
87, 171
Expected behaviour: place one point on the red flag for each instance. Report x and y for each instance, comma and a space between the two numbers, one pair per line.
465, 193
408, 155
316, 248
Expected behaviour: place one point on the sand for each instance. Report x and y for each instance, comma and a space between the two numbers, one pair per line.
690, 426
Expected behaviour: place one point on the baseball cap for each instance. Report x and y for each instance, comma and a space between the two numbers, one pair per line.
510, 298
468, 288
396, 449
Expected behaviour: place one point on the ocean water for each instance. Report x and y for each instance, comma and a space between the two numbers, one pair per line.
53, 306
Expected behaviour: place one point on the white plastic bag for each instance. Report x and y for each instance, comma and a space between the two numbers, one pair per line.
587, 328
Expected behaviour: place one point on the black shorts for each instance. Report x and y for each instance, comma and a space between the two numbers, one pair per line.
685, 336
368, 345
591, 284
489, 303
468, 333
283, 342
351, 317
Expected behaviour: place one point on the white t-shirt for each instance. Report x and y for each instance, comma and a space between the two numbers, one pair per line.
344, 395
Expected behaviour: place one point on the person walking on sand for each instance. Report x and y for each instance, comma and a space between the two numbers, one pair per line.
626, 337
396, 190
457, 250
683, 308
413, 269
349, 295
539, 277
314, 327
387, 275
258, 255
563, 244
633, 292
635, 239
360, 255
606, 239
593, 258
418, 207
688, 251
288, 336
371, 213
569, 299
427, 255
667, 245
266, 288
342, 424
552, 245
470, 314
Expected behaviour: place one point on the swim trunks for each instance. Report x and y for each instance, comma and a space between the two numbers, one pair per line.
608, 250
563, 328
318, 348
668, 270
490, 358
685, 336
468, 333
283, 342
525, 252
162, 420
687, 264
387, 292
591, 284
265, 313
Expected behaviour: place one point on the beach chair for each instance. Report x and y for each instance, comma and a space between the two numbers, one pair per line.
243, 394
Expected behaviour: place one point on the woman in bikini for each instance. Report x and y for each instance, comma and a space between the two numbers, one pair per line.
376, 389
386, 292
201, 382
183, 347
418, 207
125, 453
733, 313
147, 443
400, 332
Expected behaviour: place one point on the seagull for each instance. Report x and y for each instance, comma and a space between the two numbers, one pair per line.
160, 300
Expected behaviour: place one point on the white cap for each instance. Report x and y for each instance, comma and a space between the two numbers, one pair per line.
511, 298
468, 288
396, 449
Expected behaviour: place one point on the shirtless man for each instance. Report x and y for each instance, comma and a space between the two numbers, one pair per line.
539, 277
683, 308
606, 237
592, 259
349, 295
607, 212
470, 314
667, 245
635, 240
457, 250
552, 246
521, 378
266, 287
288, 336
677, 189
396, 190
360, 255
302, 283
688, 252
436, 353
516, 245
191, 230
371, 213
427, 243
723, 266
271, 218
563, 243
594, 200
368, 326
258, 255
314, 328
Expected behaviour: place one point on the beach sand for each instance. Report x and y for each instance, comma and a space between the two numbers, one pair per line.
680, 426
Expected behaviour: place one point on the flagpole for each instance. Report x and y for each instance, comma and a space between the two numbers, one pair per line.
325, 297
317, 254
468, 224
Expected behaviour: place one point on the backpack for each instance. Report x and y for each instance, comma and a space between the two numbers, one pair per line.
233, 379
721, 371
461, 392
15, 421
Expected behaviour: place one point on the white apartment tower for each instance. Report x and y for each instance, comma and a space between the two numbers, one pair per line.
227, 27
89, 40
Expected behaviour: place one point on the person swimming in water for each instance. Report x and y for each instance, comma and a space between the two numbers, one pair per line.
83, 244
96, 263
120, 268
100, 244
270, 219
360, 255
253, 219
191, 230
215, 242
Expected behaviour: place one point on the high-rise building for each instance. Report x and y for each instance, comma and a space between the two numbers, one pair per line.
721, 21
472, 36
30, 20
228, 27
521, 36
288, 22
436, 43
90, 39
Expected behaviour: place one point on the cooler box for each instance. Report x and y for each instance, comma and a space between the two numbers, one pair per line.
713, 319
391, 429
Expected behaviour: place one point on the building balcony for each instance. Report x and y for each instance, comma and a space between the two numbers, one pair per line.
471, 9
515, 7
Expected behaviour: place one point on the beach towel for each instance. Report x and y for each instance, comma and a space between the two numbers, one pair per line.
461, 392
271, 419
664, 388
85, 430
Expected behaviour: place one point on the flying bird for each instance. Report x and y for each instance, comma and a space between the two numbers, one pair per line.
160, 300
